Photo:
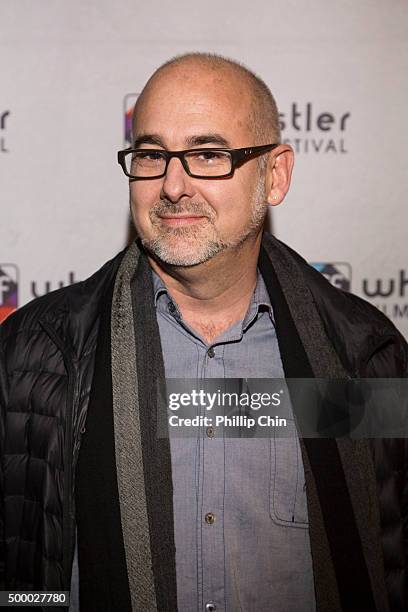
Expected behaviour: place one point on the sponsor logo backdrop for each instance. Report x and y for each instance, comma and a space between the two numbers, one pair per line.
70, 74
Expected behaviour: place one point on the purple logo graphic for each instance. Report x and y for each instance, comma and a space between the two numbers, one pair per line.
129, 105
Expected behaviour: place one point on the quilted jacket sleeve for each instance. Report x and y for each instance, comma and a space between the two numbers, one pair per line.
391, 459
404, 497
3, 400
404, 503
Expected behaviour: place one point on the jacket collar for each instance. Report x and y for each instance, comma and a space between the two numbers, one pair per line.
348, 570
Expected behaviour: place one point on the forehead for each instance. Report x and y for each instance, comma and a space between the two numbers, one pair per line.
191, 100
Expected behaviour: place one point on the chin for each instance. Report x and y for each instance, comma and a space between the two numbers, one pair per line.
181, 252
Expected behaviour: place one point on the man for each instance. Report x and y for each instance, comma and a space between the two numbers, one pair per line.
209, 523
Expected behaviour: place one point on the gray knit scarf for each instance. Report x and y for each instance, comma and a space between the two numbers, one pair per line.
132, 298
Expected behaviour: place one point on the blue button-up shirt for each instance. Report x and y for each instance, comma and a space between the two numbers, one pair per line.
240, 515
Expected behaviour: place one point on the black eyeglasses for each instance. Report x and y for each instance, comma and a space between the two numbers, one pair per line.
145, 164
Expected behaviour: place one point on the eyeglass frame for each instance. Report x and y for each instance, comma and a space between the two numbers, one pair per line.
238, 156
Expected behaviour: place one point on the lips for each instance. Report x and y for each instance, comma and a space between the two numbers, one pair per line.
181, 219
187, 216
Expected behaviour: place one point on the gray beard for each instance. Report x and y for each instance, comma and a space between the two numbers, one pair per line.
202, 248
158, 247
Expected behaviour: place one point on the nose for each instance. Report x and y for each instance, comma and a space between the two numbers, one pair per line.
176, 183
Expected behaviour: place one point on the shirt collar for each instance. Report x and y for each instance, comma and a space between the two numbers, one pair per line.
158, 287
259, 302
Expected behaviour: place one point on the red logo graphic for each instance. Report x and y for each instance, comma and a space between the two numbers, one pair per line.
8, 290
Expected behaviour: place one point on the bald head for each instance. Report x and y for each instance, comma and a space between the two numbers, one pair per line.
262, 113
189, 214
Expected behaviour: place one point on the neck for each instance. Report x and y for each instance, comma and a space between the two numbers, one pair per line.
214, 295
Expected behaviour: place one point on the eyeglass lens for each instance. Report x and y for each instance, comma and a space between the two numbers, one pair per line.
147, 163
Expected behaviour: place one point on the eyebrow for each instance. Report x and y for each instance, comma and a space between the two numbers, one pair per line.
148, 139
191, 141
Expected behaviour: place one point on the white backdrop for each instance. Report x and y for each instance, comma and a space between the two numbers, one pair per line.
339, 73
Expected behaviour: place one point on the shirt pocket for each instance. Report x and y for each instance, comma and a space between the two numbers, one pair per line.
287, 488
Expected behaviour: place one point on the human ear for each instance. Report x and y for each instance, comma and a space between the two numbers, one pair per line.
278, 174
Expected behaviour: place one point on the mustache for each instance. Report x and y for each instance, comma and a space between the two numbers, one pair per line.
166, 206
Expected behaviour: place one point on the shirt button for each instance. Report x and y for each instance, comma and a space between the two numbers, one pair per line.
210, 518
210, 431
211, 352
210, 607
171, 308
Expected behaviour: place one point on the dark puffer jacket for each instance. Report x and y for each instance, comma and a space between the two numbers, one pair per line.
47, 352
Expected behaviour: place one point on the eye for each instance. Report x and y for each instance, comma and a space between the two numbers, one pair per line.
149, 155
209, 162
211, 155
